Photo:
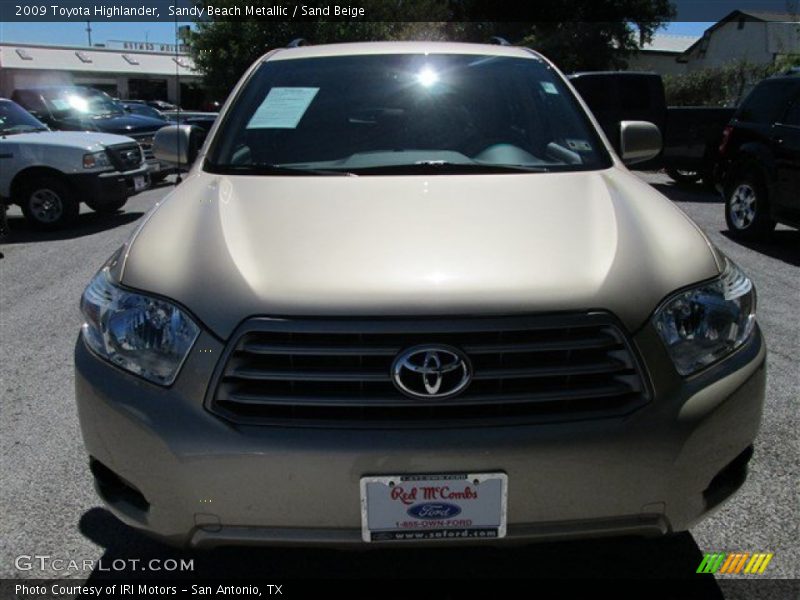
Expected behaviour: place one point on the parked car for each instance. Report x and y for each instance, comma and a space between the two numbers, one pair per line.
759, 171
203, 120
434, 308
49, 173
142, 109
691, 133
162, 105
78, 108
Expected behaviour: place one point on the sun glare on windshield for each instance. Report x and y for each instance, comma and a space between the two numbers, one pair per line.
78, 103
427, 77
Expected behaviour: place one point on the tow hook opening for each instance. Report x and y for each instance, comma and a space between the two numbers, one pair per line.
114, 489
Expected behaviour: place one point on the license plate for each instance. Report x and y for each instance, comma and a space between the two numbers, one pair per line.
433, 507
139, 183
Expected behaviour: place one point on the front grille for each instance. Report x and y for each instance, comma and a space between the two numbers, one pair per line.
125, 157
308, 372
145, 141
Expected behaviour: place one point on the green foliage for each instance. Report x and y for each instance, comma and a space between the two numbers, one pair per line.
721, 86
786, 62
573, 37
223, 50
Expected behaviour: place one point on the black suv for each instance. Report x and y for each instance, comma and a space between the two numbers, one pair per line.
759, 170
79, 108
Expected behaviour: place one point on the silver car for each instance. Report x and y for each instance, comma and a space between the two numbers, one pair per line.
408, 294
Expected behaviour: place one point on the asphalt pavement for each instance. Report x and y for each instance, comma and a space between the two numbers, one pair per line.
49, 506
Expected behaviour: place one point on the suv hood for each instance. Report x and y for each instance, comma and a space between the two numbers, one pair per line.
231, 247
121, 124
89, 140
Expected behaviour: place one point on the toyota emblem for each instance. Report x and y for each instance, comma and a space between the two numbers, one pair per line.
431, 372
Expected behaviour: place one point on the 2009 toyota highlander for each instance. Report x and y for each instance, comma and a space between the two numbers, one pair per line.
407, 292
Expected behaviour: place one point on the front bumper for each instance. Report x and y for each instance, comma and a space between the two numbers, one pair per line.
172, 469
108, 187
157, 168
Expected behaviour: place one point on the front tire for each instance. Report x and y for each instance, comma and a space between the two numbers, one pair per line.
3, 220
49, 203
747, 209
107, 208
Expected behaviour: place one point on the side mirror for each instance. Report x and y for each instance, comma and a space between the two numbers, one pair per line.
639, 141
177, 145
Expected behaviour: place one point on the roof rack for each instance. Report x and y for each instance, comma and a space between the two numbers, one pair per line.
499, 41
297, 42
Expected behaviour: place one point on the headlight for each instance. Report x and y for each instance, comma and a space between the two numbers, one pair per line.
96, 159
146, 336
703, 325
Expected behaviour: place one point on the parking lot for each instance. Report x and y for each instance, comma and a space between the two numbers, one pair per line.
50, 508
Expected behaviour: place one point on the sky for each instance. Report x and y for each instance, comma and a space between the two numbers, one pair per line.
74, 34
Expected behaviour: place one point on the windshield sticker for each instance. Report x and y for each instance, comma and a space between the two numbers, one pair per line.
579, 145
549, 87
282, 108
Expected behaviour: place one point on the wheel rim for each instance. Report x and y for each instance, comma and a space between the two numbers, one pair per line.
743, 206
46, 206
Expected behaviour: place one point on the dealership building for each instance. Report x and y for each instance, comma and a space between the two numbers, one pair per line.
135, 70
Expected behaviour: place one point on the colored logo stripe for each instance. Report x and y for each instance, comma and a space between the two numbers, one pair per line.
735, 563
758, 563
711, 563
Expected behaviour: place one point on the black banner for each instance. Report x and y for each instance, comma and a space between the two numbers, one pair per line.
365, 10
699, 587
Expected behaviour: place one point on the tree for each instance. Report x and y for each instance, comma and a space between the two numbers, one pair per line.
726, 85
580, 35
222, 50
576, 35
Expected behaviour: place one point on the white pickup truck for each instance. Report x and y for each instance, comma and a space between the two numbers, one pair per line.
49, 173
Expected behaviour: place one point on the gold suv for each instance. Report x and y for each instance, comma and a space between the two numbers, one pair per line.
407, 293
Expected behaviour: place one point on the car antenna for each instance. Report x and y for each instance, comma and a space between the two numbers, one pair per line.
178, 178
297, 42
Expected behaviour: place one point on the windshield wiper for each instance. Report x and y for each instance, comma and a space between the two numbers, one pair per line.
446, 167
270, 169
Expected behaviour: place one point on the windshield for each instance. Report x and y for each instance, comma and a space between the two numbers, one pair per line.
80, 102
15, 119
436, 113
145, 111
